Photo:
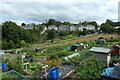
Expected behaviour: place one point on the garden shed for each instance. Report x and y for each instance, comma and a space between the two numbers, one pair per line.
116, 50
76, 47
102, 54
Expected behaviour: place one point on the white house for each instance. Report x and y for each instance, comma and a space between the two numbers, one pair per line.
52, 27
88, 27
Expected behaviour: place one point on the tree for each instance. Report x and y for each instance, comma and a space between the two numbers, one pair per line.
22, 43
110, 22
51, 22
66, 23
106, 28
63, 33
11, 31
51, 34
23, 24
85, 23
58, 23
11, 44
4, 44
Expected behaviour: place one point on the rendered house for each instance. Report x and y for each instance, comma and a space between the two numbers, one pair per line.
52, 27
88, 27
102, 54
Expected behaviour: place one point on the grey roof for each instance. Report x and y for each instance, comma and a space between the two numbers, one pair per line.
100, 49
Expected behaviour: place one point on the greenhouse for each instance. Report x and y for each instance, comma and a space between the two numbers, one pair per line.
13, 75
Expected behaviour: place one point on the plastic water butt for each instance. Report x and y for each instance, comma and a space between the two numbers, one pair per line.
4, 66
57, 72
53, 74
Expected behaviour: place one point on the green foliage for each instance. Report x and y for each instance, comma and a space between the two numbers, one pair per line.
11, 44
51, 34
90, 69
63, 33
66, 23
23, 24
4, 45
12, 35
23, 43
107, 27
15, 64
51, 22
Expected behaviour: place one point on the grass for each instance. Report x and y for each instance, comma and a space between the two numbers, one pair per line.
75, 40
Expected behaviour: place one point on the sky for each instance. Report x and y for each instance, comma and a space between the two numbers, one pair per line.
38, 11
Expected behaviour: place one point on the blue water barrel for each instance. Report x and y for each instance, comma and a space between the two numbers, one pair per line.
4, 66
53, 74
57, 72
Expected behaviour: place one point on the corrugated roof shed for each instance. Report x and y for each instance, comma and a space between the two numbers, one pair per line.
100, 50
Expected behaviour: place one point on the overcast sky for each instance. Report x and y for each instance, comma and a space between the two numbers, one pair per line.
62, 10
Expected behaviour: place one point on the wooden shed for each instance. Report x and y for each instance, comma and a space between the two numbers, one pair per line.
116, 50
76, 47
102, 54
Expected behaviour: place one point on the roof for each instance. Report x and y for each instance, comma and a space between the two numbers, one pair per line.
100, 50
117, 46
14, 74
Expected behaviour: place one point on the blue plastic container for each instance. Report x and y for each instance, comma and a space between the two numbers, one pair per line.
53, 74
4, 66
57, 72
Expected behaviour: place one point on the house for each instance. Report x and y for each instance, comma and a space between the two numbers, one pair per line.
88, 27
52, 27
64, 27
102, 54
73, 28
76, 47
116, 50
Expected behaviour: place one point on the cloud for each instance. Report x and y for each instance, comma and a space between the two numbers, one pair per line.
72, 10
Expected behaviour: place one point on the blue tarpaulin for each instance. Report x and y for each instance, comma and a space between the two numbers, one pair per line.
110, 72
